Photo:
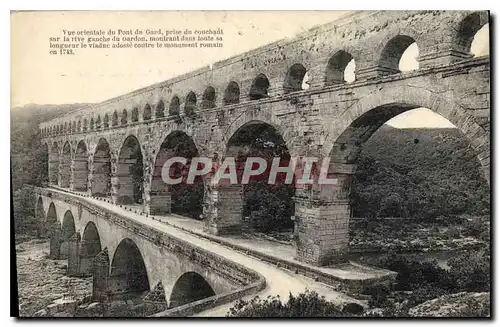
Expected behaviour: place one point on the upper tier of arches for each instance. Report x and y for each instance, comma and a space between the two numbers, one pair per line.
335, 56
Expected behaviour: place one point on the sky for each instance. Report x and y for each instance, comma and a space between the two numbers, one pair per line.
94, 76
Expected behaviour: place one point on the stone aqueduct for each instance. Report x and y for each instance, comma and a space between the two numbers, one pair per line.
92, 149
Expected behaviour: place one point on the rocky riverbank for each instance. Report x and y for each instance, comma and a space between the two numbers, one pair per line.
43, 282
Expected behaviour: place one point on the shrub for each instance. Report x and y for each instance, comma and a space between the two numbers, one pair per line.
471, 271
307, 304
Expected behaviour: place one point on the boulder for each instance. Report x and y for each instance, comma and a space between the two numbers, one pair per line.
464, 304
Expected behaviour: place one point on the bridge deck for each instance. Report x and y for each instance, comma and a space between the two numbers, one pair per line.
279, 281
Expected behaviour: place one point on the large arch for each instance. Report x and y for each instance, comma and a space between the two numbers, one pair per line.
190, 287
81, 167
392, 52
467, 29
259, 88
294, 78
130, 172
89, 248
268, 206
128, 276
65, 166
343, 146
67, 230
183, 198
101, 175
54, 164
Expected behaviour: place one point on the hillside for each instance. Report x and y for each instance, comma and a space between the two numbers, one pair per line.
25, 146
424, 173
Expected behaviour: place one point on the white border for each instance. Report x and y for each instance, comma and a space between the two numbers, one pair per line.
197, 5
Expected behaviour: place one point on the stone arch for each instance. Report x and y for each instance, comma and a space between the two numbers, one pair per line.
405, 98
81, 167
65, 128
114, 120
147, 113
73, 128
392, 52
106, 121
190, 287
190, 104
101, 182
174, 107
294, 78
89, 248
336, 67
232, 93
54, 164
259, 88
467, 29
135, 114
67, 230
256, 138
128, 276
182, 198
65, 166
79, 125
160, 109
124, 119
130, 172
208, 100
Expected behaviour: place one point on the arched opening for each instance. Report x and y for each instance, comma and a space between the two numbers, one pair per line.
98, 122
106, 121
130, 172
73, 129
135, 114
340, 69
79, 126
54, 231
93, 125
85, 124
208, 98
190, 287
266, 206
66, 129
174, 107
480, 45
397, 164
101, 182
160, 109
54, 164
184, 198
114, 120
294, 80
65, 166
392, 55
259, 88
468, 31
67, 230
147, 113
90, 247
232, 93
190, 105
128, 276
124, 119
81, 167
